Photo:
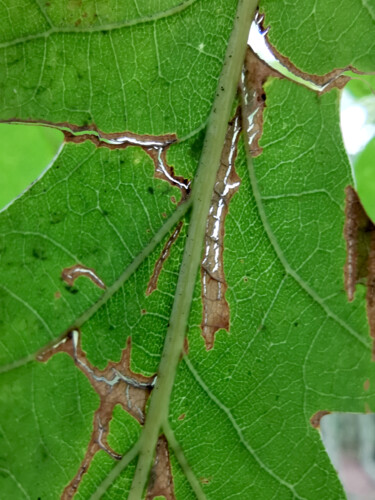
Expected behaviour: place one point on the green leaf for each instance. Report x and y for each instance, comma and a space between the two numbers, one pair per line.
108, 262
362, 87
364, 170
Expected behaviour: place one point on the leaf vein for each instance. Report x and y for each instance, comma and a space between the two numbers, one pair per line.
238, 430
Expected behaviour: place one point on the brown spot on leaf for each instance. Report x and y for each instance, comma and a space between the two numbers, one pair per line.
115, 385
214, 286
359, 232
153, 283
366, 385
315, 419
70, 274
356, 231
57, 295
161, 478
186, 347
253, 98
205, 480
182, 416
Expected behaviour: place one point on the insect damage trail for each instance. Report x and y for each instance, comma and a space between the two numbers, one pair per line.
116, 384
215, 307
256, 72
165, 172
153, 283
155, 147
253, 98
70, 274
355, 220
319, 83
359, 233
161, 478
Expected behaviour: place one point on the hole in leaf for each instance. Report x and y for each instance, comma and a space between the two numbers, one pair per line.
350, 443
25, 152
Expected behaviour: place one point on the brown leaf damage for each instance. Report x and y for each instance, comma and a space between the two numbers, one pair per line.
155, 147
70, 274
253, 98
321, 83
256, 72
116, 384
317, 417
215, 307
166, 173
152, 284
161, 478
370, 296
359, 232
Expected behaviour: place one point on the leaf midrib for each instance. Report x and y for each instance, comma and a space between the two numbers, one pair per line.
201, 195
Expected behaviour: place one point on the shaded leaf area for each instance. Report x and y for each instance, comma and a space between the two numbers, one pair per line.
295, 345
320, 35
147, 77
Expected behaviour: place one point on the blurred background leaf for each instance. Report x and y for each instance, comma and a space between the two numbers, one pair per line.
25, 151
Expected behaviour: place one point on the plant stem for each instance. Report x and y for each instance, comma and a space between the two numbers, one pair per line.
202, 192
179, 454
115, 472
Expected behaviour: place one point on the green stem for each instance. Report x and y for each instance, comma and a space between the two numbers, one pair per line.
137, 261
201, 195
115, 472
177, 450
